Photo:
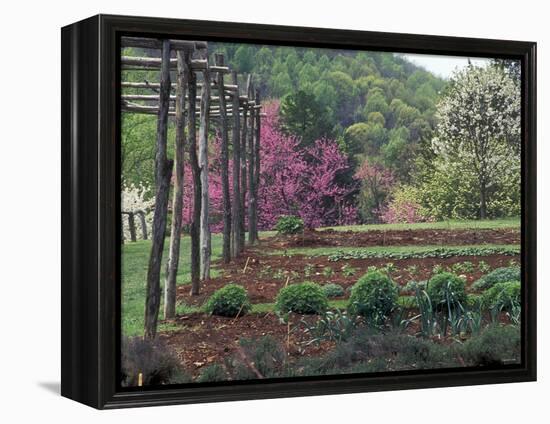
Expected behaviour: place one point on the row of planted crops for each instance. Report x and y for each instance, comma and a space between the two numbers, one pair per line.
440, 305
441, 323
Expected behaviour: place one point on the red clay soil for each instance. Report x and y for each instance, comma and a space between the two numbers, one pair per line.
202, 340
313, 238
262, 284
206, 339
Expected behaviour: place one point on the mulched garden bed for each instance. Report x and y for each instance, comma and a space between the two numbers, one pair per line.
262, 286
314, 238
204, 340
207, 339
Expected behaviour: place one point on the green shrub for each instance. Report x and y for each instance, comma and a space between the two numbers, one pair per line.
474, 301
502, 296
444, 287
333, 290
412, 285
348, 270
213, 372
337, 325
289, 224
328, 272
303, 298
498, 275
266, 353
153, 359
496, 345
373, 296
229, 301
365, 351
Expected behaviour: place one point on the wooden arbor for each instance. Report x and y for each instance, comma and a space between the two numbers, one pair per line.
232, 109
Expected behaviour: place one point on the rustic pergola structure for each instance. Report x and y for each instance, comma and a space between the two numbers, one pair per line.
233, 109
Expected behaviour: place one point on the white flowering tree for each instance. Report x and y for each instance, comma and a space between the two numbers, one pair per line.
136, 202
479, 127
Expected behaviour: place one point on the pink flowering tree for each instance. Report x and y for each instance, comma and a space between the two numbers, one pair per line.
214, 188
293, 181
301, 182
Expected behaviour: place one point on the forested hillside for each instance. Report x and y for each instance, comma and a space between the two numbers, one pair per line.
372, 103
381, 111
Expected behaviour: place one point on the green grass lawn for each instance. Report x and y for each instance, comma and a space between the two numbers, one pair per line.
135, 259
441, 225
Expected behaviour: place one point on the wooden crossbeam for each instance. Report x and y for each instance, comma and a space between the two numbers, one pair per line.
131, 62
229, 89
135, 107
153, 63
152, 110
152, 43
151, 97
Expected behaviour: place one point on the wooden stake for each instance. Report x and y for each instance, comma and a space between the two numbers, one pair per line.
246, 264
195, 169
251, 191
177, 201
236, 201
163, 173
205, 236
224, 158
256, 154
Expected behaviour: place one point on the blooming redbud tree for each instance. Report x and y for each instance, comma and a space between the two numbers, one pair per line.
293, 180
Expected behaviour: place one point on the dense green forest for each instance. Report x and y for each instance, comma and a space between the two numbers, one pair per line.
374, 104
381, 110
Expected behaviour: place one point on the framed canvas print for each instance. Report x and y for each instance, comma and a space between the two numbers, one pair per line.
255, 211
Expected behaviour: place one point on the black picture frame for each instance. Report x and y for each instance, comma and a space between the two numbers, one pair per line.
90, 175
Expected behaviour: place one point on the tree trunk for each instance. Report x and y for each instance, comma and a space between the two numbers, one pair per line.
177, 203
143, 223
163, 170
236, 205
244, 135
253, 214
256, 164
483, 200
251, 197
132, 226
194, 228
224, 156
203, 164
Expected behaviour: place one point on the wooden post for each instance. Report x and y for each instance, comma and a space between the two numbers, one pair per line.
177, 201
244, 135
195, 169
251, 198
236, 205
163, 170
256, 163
132, 226
226, 244
205, 241
143, 223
